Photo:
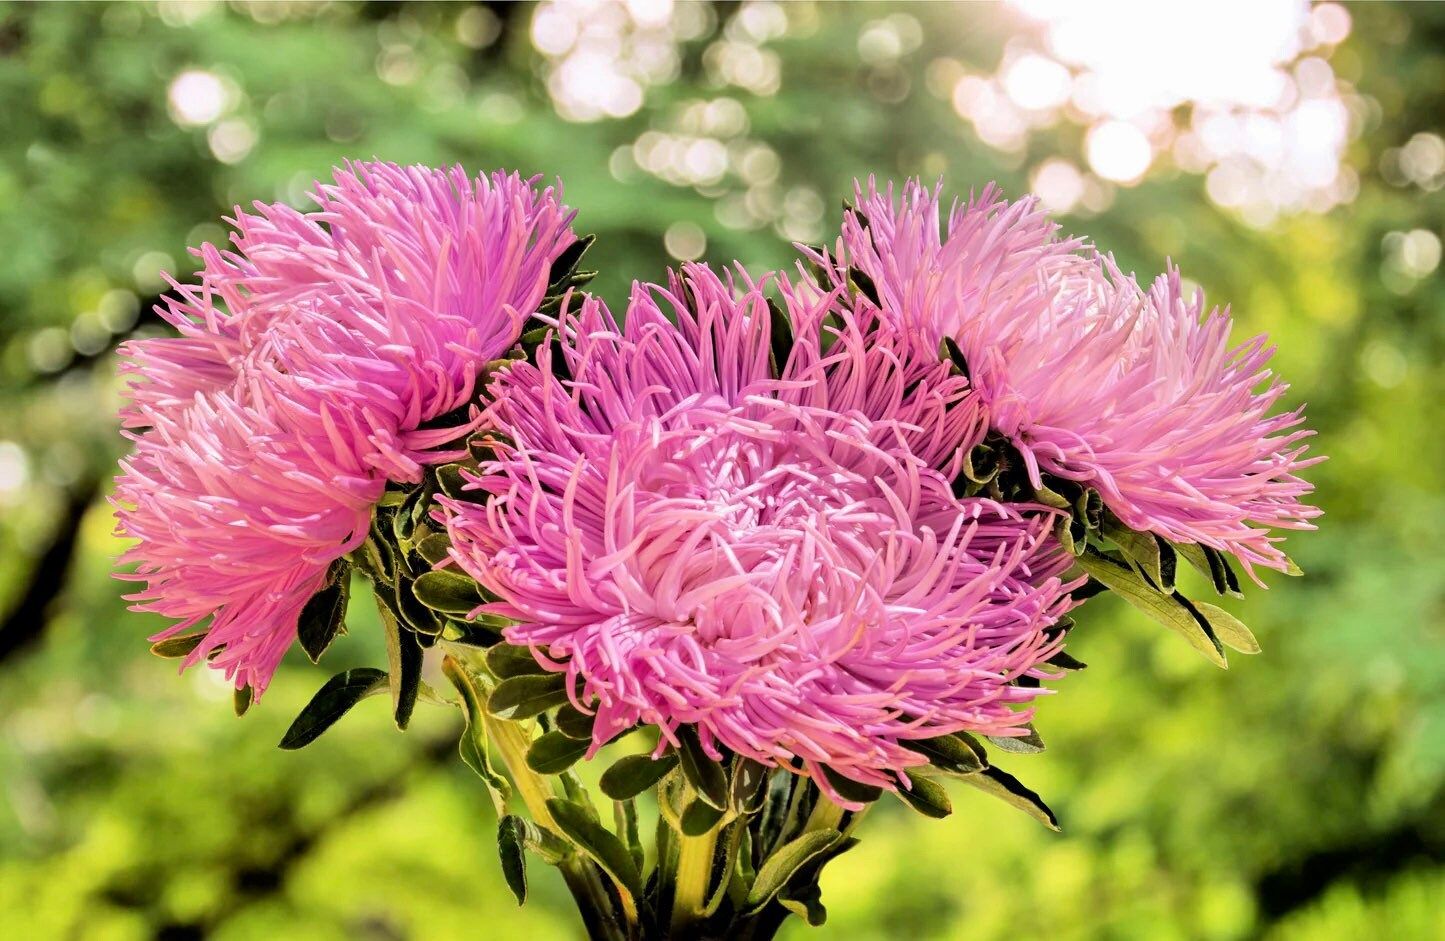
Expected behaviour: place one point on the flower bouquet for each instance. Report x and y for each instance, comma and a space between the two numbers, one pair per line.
710, 579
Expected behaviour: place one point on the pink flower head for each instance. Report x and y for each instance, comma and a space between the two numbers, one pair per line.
1136, 393
326, 354
777, 560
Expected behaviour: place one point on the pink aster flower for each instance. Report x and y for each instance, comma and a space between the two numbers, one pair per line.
779, 561
1136, 393
326, 354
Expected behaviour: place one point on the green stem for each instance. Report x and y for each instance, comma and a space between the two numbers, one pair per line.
582, 878
694, 871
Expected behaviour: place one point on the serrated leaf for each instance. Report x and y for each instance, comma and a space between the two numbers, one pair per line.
1174, 611
505, 661
511, 843
597, 842
448, 592
704, 774
1228, 628
1011, 791
522, 697
783, 864
174, 648
633, 774
553, 753
331, 702
925, 795
951, 754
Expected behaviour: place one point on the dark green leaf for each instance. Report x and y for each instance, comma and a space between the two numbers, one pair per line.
1144, 549
241, 700
1009, 789
434, 548
173, 648
574, 724
865, 285
951, 754
404, 656
951, 352
507, 660
451, 482
850, 790
553, 753
698, 818
780, 337
331, 702
473, 744
568, 260
522, 697
511, 842
1173, 610
447, 591
925, 795
1030, 744
747, 785
1064, 661
477, 633
704, 774
1228, 628
1212, 564
782, 865
633, 774
599, 843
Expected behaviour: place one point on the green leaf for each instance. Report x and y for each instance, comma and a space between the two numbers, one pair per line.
1212, 564
698, 818
448, 592
1064, 661
324, 617
950, 351
522, 697
574, 724
1174, 611
331, 702
865, 285
1228, 628
854, 791
633, 774
473, 743
805, 901
599, 843
1030, 744
1011, 791
434, 548
1153, 556
924, 795
241, 700
505, 661
478, 633
568, 260
404, 657
173, 648
951, 754
782, 865
511, 842
780, 337
704, 774
451, 482
747, 786
553, 753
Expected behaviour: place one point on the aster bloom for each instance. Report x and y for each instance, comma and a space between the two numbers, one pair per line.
1136, 393
326, 354
779, 561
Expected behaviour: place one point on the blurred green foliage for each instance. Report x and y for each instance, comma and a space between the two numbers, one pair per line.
1299, 796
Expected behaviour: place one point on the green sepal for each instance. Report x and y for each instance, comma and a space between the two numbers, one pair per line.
957, 754
1011, 791
924, 795
448, 592
704, 774
578, 825
174, 648
554, 752
780, 867
505, 661
522, 697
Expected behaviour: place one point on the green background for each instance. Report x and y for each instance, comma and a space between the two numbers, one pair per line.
1297, 796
